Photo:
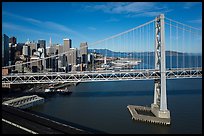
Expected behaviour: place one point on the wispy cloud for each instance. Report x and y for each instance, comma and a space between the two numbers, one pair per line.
59, 27
45, 24
188, 5
153, 13
130, 9
27, 19
91, 28
196, 21
112, 20
12, 26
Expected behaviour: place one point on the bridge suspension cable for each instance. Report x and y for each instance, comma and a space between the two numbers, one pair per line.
92, 44
184, 43
122, 33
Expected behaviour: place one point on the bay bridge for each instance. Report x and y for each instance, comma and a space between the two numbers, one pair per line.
157, 50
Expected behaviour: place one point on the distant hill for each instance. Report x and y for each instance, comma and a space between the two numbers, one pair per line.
111, 53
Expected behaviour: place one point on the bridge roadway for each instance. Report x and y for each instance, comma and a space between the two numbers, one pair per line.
106, 75
18, 121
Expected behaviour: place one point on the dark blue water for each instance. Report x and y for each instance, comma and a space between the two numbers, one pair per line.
103, 106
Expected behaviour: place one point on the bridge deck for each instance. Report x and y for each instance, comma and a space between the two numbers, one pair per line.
28, 78
36, 124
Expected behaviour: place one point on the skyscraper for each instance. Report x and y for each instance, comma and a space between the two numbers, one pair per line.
42, 44
12, 40
72, 56
67, 44
26, 51
5, 50
84, 48
59, 48
33, 48
84, 52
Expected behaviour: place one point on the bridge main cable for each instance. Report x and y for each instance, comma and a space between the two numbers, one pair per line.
114, 36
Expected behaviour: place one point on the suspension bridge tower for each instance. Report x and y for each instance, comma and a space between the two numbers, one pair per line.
159, 106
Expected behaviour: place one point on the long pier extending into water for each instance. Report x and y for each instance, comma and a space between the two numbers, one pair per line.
24, 101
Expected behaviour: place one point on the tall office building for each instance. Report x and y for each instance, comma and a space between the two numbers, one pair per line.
72, 56
59, 48
42, 44
12, 40
84, 52
51, 51
18, 51
26, 51
5, 50
50, 62
84, 48
12, 51
67, 44
33, 48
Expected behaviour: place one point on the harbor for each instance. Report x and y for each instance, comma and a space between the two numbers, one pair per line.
51, 89
42, 90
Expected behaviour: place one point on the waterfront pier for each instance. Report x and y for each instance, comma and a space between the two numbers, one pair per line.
24, 102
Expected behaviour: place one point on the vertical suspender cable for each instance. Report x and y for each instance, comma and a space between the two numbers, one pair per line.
147, 66
190, 50
143, 46
147, 57
196, 53
195, 56
140, 48
183, 48
133, 42
149, 48
170, 47
148, 41
201, 53
148, 44
177, 47
153, 42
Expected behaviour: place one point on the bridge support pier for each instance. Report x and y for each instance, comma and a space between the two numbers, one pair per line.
159, 113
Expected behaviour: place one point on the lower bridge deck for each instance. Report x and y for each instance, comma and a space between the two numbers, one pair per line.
26, 122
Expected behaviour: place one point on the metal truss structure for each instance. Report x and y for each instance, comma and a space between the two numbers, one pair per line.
40, 78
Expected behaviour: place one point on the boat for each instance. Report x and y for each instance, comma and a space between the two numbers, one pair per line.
50, 89
64, 91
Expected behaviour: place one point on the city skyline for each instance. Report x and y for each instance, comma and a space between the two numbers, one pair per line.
88, 21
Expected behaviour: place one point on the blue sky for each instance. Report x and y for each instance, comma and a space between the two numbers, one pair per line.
88, 21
